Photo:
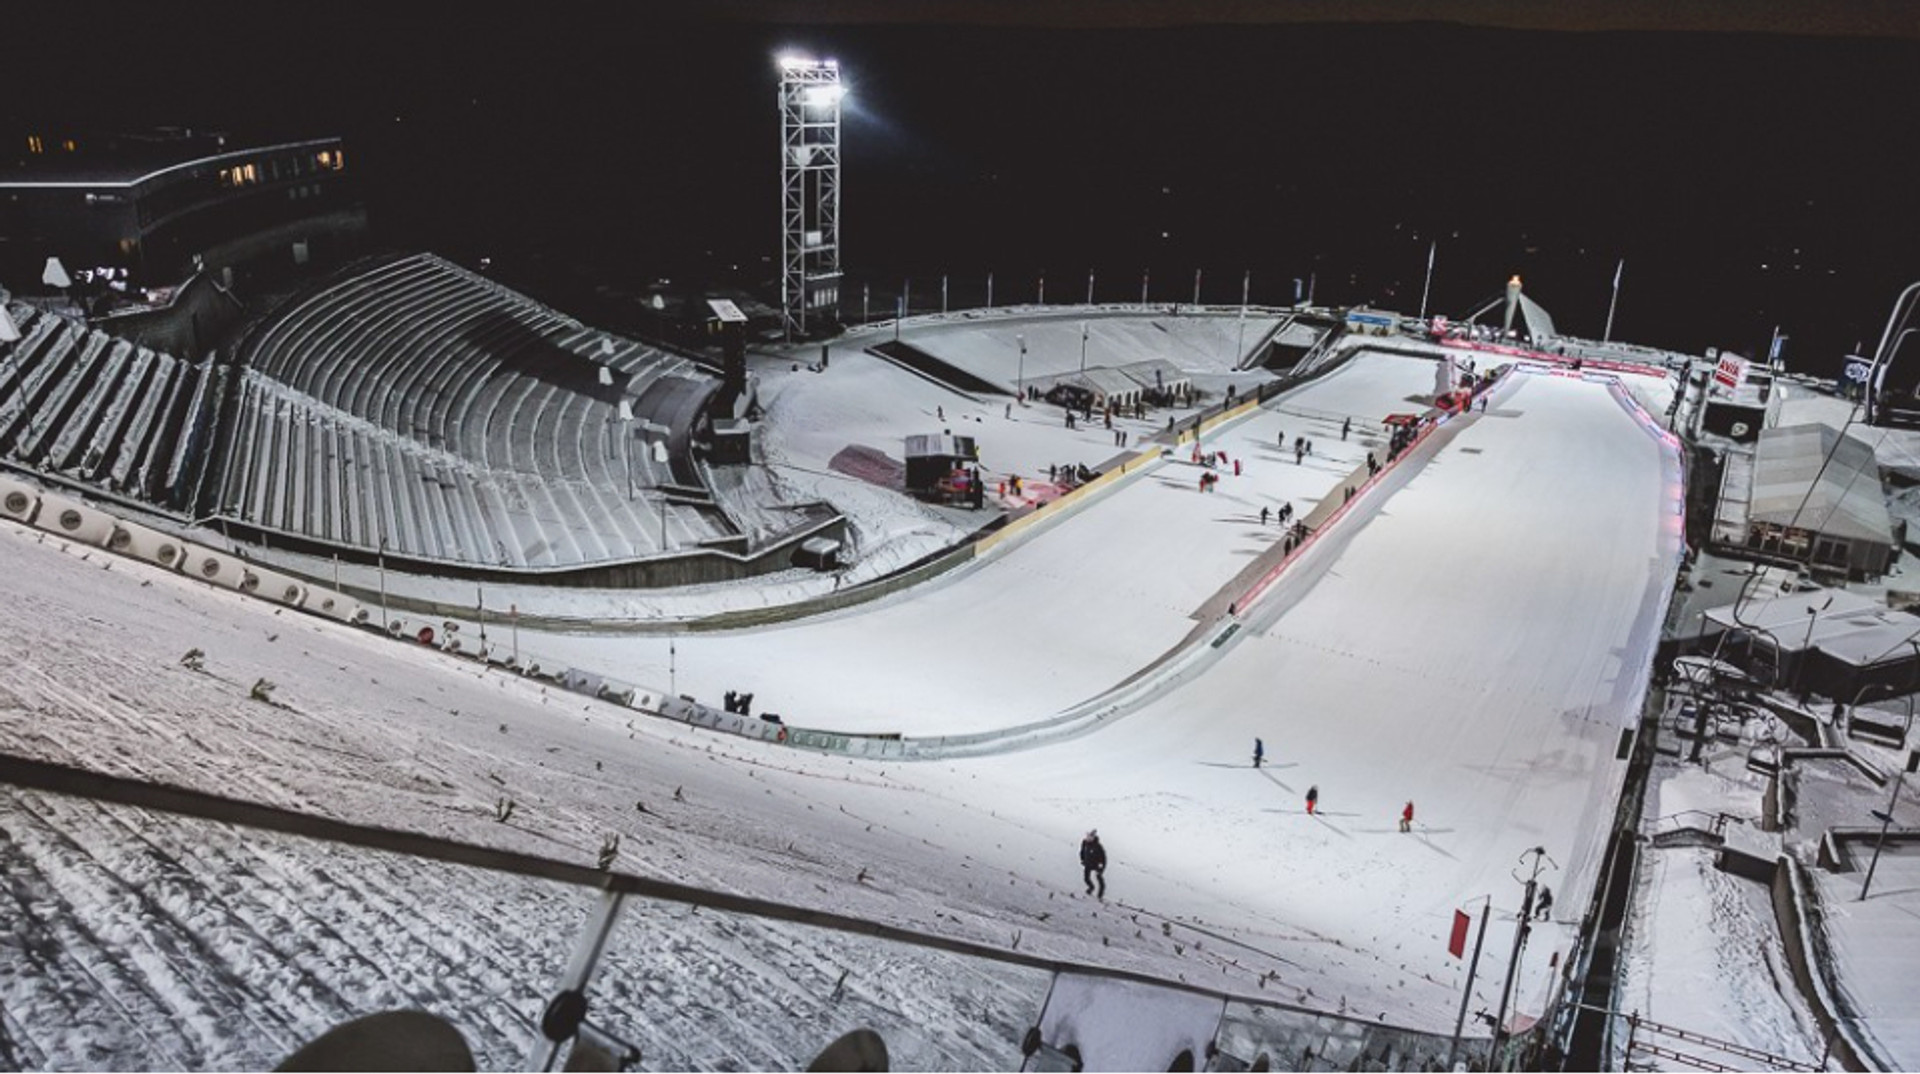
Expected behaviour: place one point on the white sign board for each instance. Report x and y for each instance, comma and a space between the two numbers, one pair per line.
55, 274
1731, 372
1858, 368
726, 311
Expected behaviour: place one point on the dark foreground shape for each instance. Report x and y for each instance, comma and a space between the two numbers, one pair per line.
390, 1040
861, 1050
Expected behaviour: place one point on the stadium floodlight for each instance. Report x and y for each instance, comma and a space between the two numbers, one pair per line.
810, 96
822, 96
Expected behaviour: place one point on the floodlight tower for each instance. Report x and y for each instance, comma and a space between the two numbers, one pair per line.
810, 93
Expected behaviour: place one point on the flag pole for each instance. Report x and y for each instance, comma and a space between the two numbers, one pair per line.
1428, 286
1607, 336
1466, 994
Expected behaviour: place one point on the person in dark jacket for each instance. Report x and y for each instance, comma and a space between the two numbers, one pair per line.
1093, 863
1259, 752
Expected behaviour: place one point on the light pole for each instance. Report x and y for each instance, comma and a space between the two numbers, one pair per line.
1886, 818
1813, 616
1089, 287
1083, 346
1020, 380
386, 624
626, 443
1519, 943
1144, 275
1246, 289
989, 290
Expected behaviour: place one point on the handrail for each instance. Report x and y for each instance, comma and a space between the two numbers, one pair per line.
1771, 1060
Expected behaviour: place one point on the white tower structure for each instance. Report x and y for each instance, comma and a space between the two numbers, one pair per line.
810, 93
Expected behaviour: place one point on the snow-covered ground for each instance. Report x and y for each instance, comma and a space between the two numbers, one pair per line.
1199, 344
1706, 953
1876, 946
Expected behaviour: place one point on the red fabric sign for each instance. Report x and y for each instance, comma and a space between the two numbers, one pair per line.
1457, 943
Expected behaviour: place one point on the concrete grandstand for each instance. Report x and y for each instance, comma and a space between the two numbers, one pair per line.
416, 407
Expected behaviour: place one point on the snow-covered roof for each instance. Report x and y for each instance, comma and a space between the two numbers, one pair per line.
1789, 614
1892, 636
1814, 478
1102, 380
1143, 373
939, 445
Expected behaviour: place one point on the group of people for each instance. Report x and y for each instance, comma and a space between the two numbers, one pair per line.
738, 703
1398, 442
1302, 447
1280, 516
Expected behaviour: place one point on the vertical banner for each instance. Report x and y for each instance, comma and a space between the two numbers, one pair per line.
1457, 943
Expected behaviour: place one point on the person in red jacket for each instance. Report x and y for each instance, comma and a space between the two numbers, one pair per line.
1406, 818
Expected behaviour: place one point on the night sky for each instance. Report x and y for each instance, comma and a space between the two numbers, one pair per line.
1747, 179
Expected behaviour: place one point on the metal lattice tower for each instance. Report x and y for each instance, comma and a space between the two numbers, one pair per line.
810, 94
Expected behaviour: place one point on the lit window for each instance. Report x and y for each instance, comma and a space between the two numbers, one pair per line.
226, 177
35, 145
325, 159
69, 145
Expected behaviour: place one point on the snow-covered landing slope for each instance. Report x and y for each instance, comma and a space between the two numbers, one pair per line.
1478, 645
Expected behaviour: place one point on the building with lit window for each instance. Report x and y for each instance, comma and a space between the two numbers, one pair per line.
155, 208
